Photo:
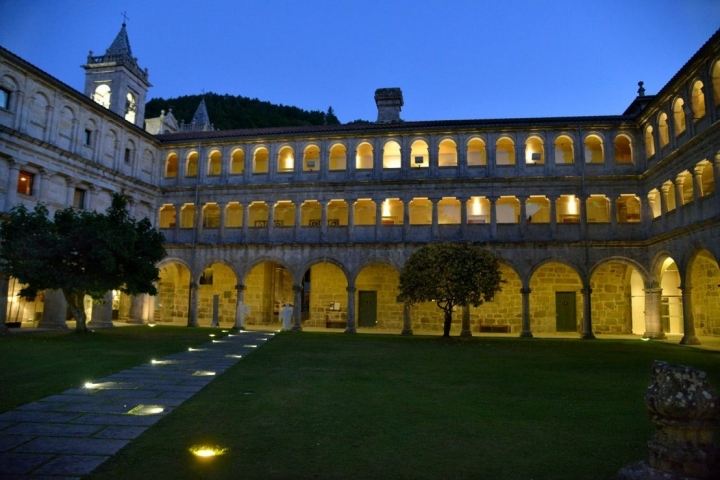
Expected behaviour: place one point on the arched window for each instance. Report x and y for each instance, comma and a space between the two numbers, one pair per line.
285, 214
285, 159
623, 149
171, 166
564, 152
260, 160
392, 211
337, 213
214, 163
237, 162
478, 210
258, 214
698, 100
192, 165
679, 115
364, 210
534, 151
167, 216
102, 95
420, 211
663, 129
211, 216
310, 213
419, 155
233, 215
597, 208
311, 159
649, 141
567, 209
447, 154
476, 155
338, 157
449, 211
187, 216
130, 107
537, 209
716, 82
627, 209
505, 152
507, 209
364, 157
593, 149
391, 155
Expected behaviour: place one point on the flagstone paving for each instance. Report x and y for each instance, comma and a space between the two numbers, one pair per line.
70, 434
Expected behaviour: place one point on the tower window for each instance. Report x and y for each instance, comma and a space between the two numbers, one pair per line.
130, 107
25, 183
79, 199
4, 98
102, 95
128, 155
88, 137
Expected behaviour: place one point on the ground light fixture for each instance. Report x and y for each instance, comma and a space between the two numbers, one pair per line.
205, 451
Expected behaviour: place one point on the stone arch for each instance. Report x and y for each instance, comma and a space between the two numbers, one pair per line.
679, 115
173, 291
65, 127
237, 161
663, 132
715, 75
171, 165
534, 150
261, 159
697, 100
623, 148
216, 278
364, 156
476, 152
549, 279
649, 141
666, 274
191, 163
618, 297
392, 156
447, 153
285, 158
564, 149
703, 277
324, 296
214, 163
338, 157
419, 154
505, 151
268, 283
505, 308
311, 158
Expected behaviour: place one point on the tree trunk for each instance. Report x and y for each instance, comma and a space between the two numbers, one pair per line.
76, 302
448, 321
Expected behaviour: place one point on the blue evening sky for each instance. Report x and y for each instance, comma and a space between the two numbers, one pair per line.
453, 59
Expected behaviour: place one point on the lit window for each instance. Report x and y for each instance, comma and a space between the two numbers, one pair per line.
79, 199
4, 98
25, 183
130, 108
102, 95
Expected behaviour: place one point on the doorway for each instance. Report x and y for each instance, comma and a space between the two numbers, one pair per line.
566, 320
367, 311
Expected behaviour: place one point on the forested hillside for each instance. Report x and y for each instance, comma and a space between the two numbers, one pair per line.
229, 112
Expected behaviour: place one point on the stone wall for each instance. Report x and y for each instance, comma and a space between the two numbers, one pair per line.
611, 300
548, 280
223, 285
328, 284
383, 279
706, 295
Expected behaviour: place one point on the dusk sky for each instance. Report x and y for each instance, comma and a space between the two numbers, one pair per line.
452, 59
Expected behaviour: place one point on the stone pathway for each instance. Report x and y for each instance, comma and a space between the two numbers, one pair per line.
70, 434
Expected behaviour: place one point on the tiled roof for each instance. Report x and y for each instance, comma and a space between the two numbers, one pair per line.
121, 44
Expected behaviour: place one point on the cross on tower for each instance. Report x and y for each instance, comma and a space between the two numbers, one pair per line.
125, 18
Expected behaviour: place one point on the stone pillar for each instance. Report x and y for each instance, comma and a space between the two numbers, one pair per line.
378, 219
407, 320
679, 200
697, 184
101, 316
137, 304
526, 332
221, 229
406, 218
193, 305
297, 308
324, 219
351, 309
587, 332
351, 218
465, 330
433, 155
493, 217
463, 216
54, 310
199, 221
240, 309
245, 220
523, 213
271, 221
435, 231
350, 160
553, 216
14, 174
613, 214
178, 220
583, 215
461, 153
665, 190
689, 337
298, 219
653, 324
646, 208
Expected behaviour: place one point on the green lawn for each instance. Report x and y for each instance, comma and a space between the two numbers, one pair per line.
314, 405
36, 365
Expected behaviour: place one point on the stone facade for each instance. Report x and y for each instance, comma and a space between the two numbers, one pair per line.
617, 215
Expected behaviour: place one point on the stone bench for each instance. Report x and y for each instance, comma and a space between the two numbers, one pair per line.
335, 324
495, 329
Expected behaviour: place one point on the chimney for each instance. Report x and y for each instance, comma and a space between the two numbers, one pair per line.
389, 102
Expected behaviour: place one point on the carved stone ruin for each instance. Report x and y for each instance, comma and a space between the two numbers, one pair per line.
686, 412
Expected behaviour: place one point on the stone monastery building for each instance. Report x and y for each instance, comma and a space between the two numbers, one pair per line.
603, 224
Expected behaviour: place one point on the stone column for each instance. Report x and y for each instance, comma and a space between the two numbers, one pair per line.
665, 190
245, 220
350, 160
653, 323
199, 221
298, 219
689, 337
14, 174
526, 332
523, 213
54, 310
679, 199
271, 221
221, 229
378, 219
297, 308
461, 153
406, 219
240, 309
697, 184
193, 305
465, 330
583, 215
433, 154
101, 316
435, 230
137, 304
351, 219
587, 332
463, 216
493, 217
405, 160
178, 220
553, 216
646, 209
407, 320
613, 215
351, 309
324, 219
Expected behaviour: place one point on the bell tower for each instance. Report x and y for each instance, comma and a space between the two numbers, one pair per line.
116, 81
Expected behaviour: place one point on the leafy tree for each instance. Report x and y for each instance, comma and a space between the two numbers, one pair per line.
81, 253
451, 275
